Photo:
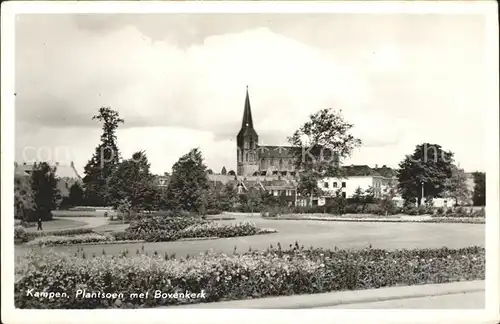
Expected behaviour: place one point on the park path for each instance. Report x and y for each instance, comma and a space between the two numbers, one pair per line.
91, 222
463, 294
88, 222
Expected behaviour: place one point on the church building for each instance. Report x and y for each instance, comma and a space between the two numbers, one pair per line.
256, 160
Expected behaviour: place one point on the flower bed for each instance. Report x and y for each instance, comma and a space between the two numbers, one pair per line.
163, 229
20, 234
213, 229
221, 277
64, 232
75, 239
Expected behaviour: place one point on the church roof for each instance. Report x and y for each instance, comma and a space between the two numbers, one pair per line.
247, 113
269, 151
247, 122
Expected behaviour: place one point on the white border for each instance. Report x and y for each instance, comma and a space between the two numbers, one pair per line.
11, 315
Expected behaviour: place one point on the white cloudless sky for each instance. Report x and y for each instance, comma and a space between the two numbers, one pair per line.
179, 82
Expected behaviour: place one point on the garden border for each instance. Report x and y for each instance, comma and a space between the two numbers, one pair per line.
436, 220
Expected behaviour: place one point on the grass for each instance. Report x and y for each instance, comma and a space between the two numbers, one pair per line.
57, 224
314, 233
112, 227
78, 213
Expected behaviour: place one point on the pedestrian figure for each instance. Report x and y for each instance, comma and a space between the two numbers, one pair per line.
39, 224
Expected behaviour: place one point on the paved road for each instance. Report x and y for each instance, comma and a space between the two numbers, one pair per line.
316, 234
463, 294
471, 300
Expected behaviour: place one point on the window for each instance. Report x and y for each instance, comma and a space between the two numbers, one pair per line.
281, 164
262, 164
343, 184
290, 165
271, 162
343, 194
246, 157
335, 184
325, 184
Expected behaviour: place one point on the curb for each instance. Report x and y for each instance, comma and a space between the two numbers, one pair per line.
348, 297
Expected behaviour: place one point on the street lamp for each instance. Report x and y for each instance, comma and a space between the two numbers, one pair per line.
422, 199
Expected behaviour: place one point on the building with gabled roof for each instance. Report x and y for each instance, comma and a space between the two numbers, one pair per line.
65, 174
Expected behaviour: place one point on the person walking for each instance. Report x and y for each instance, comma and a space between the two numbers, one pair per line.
39, 224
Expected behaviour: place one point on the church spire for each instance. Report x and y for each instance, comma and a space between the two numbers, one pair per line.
247, 113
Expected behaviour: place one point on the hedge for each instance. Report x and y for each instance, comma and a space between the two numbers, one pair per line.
230, 277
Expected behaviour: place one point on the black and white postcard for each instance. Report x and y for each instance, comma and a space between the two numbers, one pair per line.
250, 161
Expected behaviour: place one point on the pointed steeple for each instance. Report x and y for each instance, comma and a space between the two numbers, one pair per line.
247, 113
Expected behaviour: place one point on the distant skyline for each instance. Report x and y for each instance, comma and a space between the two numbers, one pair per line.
179, 81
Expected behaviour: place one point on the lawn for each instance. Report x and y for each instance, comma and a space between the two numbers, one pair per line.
312, 233
57, 224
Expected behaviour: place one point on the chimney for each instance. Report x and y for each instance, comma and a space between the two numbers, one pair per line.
72, 164
376, 166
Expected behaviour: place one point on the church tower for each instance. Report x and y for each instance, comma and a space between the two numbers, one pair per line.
247, 141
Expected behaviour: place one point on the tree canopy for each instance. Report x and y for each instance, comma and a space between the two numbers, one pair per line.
188, 183
45, 192
479, 196
429, 166
133, 182
456, 186
322, 143
104, 160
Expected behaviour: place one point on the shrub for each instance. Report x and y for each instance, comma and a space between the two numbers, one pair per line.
123, 236
352, 209
440, 211
460, 212
374, 209
479, 213
449, 211
20, 233
255, 274
76, 239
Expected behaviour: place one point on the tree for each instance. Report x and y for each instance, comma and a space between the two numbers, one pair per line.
76, 195
223, 171
210, 172
428, 167
124, 208
253, 198
308, 185
132, 181
456, 186
44, 187
387, 204
105, 159
24, 203
337, 204
227, 197
479, 196
231, 173
268, 199
188, 183
322, 143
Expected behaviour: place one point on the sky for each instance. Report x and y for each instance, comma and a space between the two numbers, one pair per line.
179, 82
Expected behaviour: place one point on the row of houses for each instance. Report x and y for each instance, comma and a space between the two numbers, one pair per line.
379, 179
